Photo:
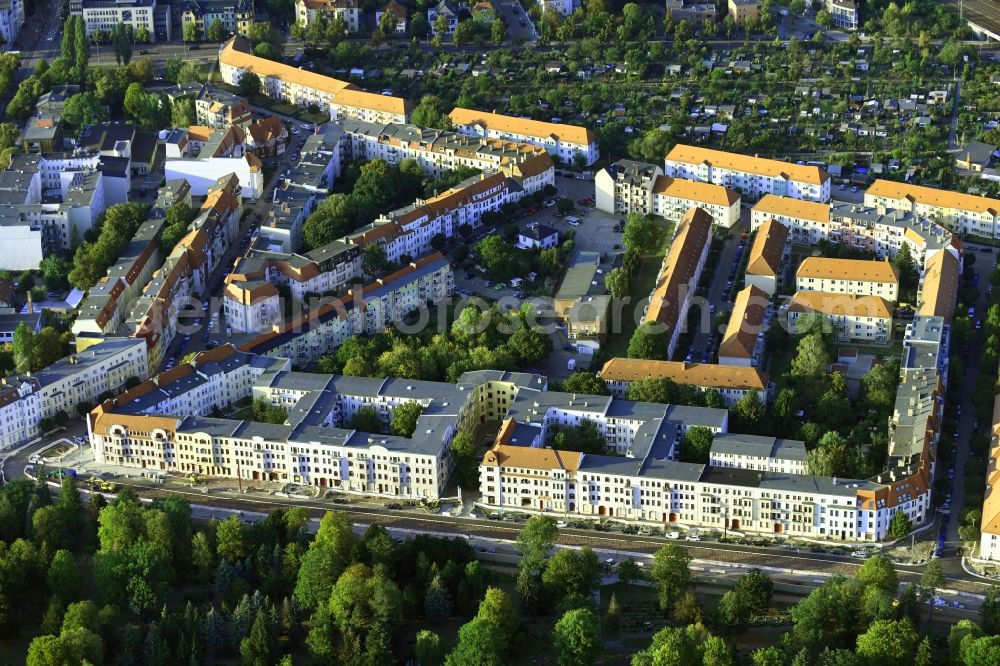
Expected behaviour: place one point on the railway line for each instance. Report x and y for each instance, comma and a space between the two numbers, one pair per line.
625, 544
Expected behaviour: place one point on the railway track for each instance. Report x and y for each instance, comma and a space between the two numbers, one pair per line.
624, 543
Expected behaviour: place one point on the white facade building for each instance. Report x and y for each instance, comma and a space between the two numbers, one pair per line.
751, 177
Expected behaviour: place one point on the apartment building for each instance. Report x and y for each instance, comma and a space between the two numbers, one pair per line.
307, 11
20, 414
744, 10
743, 341
369, 107
83, 376
845, 13
361, 311
752, 177
661, 491
732, 383
807, 221
302, 87
163, 424
104, 308
220, 109
963, 213
439, 152
564, 7
11, 20
989, 540
569, 144
938, 288
267, 137
185, 271
582, 300
754, 452
408, 231
859, 277
251, 300
679, 275
862, 319
768, 258
104, 15
879, 229
47, 204
635, 187
696, 13
236, 16
303, 186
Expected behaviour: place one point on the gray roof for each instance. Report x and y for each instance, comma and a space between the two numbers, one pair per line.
759, 446
75, 363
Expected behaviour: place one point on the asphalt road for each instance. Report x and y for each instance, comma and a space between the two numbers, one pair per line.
984, 264
250, 221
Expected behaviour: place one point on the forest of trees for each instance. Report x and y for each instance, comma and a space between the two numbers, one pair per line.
131, 583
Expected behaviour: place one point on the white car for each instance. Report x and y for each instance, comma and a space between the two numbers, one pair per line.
693, 537
561, 523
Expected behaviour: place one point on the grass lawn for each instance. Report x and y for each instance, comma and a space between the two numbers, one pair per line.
641, 286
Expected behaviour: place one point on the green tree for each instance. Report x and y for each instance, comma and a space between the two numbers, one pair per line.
642, 232
734, 611
478, 643
648, 342
83, 109
404, 418
878, 571
431, 112
758, 588
231, 540
534, 541
258, 647
749, 411
437, 601
64, 576
989, 611
366, 420
249, 85
373, 259
497, 610
577, 638
769, 656
831, 457
613, 617
890, 642
191, 32
697, 444
811, 358
498, 31
572, 573
584, 382
498, 257
900, 525
333, 218
216, 31
142, 35
670, 573
617, 282
23, 347
428, 650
